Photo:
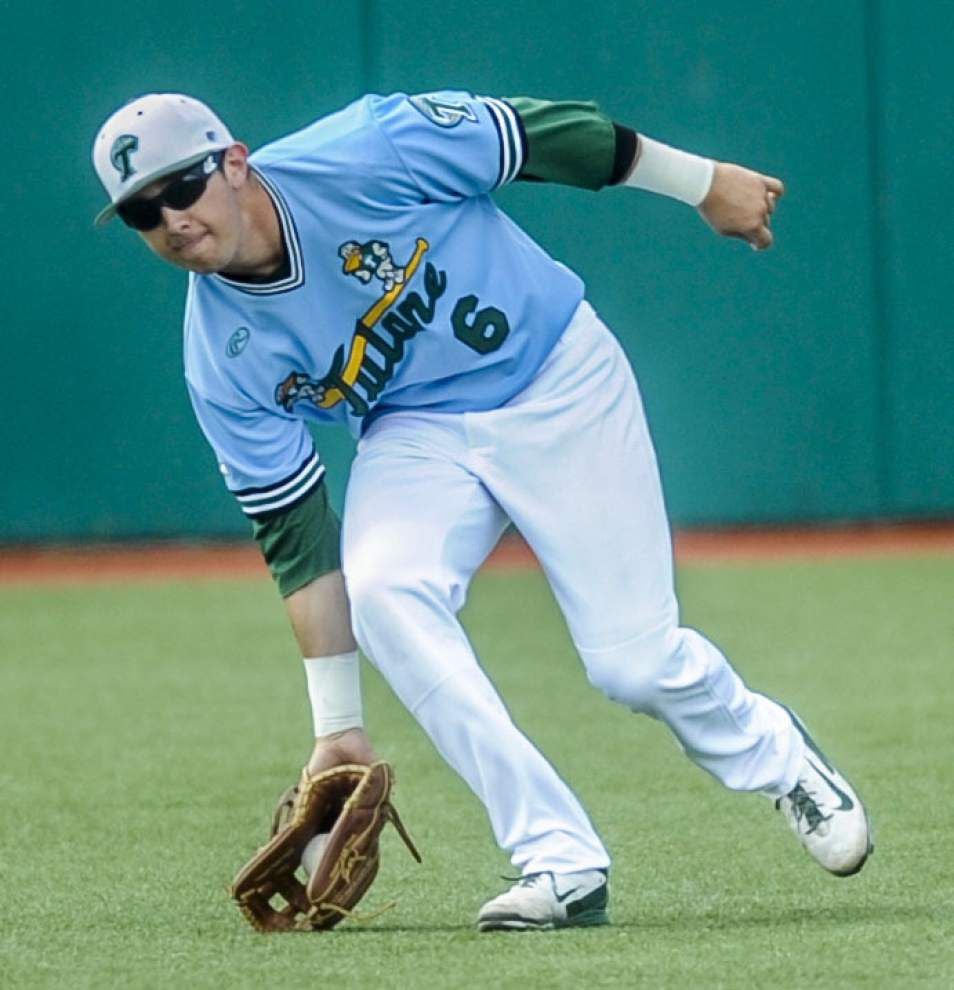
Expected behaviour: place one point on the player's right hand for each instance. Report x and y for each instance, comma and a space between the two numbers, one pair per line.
740, 203
350, 746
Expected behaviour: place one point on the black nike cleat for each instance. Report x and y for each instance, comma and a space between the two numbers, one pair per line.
545, 900
826, 814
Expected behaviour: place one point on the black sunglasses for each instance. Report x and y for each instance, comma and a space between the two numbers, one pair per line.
184, 190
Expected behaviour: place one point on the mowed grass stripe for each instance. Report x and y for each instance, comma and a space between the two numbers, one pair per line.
146, 730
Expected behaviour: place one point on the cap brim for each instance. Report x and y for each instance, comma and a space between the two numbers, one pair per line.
105, 215
108, 212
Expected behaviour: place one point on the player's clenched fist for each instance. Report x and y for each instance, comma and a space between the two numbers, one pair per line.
740, 203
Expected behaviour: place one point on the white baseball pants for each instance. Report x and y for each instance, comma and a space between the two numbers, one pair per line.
571, 462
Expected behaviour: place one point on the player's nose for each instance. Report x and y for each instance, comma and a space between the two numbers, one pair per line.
173, 220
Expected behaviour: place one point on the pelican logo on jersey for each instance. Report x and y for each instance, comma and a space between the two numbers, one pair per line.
119, 154
359, 376
371, 260
444, 113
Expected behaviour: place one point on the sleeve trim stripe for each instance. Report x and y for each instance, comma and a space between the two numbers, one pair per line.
506, 143
296, 495
513, 133
500, 140
270, 491
522, 144
512, 147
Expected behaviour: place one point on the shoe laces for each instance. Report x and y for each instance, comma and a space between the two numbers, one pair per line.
805, 808
529, 880
533, 879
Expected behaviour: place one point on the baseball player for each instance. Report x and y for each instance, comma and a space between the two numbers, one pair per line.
358, 272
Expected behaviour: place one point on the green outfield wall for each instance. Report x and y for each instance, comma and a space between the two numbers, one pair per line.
812, 383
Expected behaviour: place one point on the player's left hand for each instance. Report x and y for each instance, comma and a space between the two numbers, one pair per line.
740, 203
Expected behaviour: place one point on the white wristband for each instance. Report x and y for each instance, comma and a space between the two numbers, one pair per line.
671, 172
334, 688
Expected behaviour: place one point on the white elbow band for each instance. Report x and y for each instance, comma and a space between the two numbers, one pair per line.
334, 688
671, 172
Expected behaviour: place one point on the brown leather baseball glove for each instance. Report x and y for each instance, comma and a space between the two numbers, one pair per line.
350, 803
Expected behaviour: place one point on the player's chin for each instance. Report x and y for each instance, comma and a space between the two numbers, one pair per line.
204, 267
201, 256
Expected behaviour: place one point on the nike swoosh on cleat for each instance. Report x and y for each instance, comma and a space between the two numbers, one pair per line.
562, 897
846, 803
809, 742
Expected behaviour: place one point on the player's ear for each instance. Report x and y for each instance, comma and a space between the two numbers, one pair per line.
235, 165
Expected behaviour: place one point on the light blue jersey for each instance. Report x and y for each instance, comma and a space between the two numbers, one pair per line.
407, 288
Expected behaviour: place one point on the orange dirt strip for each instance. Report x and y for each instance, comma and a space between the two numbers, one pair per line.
126, 562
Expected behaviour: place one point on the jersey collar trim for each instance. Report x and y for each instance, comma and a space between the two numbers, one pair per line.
296, 276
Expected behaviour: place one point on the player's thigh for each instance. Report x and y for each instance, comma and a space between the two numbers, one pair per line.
414, 516
584, 490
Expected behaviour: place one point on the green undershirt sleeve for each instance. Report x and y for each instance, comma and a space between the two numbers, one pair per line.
573, 143
301, 543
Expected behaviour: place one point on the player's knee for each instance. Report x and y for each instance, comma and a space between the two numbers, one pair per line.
369, 589
635, 672
381, 584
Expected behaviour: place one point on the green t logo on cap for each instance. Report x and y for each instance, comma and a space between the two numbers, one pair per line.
119, 154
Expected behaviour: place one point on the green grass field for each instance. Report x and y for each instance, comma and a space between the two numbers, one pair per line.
147, 728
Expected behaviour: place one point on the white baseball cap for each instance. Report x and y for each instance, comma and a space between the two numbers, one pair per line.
150, 138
